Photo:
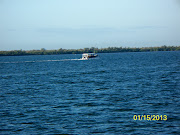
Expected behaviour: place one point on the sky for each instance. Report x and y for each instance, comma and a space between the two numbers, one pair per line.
74, 24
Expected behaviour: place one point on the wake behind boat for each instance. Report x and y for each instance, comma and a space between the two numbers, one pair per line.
86, 56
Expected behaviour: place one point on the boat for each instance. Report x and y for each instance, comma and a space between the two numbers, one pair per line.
86, 56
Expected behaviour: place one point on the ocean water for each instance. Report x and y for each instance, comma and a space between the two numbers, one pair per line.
61, 94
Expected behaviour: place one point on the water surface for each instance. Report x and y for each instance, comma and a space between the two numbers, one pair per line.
61, 94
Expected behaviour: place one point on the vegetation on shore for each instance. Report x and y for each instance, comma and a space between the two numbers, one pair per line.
87, 50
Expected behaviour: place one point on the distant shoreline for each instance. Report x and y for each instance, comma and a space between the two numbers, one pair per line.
87, 50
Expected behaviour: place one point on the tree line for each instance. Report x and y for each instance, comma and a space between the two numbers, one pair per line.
88, 50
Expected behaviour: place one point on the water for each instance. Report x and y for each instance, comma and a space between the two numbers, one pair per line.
60, 94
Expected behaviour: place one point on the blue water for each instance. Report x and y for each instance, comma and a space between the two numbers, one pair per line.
60, 94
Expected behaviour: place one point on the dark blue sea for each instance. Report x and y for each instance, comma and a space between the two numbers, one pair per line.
61, 94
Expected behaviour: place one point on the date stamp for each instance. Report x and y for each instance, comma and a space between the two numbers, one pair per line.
150, 117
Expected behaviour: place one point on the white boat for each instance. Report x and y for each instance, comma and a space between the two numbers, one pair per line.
86, 56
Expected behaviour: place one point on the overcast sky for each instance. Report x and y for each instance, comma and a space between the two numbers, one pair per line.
54, 24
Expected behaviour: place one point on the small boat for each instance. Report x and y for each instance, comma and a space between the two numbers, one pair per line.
86, 56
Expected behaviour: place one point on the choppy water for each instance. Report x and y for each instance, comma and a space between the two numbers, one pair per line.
61, 94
